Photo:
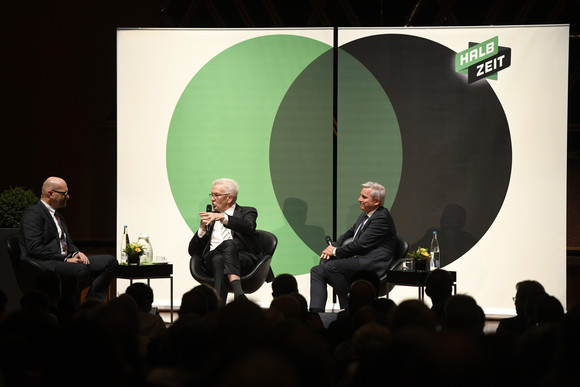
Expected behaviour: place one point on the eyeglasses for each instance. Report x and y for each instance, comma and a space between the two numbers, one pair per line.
63, 193
212, 195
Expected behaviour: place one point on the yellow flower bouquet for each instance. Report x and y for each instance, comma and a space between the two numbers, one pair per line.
421, 254
134, 252
421, 258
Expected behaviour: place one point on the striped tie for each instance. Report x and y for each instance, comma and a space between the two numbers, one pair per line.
62, 237
226, 233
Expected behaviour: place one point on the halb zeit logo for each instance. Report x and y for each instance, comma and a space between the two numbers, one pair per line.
483, 60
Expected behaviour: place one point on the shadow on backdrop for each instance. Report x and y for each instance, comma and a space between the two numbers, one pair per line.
296, 212
454, 240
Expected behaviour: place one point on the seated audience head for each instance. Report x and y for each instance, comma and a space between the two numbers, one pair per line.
369, 339
302, 302
548, 309
284, 284
361, 293
412, 314
530, 306
368, 275
385, 308
524, 289
462, 314
200, 300
142, 294
123, 311
439, 285
287, 305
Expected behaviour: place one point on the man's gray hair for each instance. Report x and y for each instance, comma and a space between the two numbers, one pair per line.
229, 185
377, 191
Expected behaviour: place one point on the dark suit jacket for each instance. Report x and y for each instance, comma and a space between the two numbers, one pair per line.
243, 227
375, 243
39, 236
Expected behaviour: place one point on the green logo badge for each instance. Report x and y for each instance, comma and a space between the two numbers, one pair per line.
483, 60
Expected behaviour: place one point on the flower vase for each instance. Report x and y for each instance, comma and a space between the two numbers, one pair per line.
421, 265
133, 259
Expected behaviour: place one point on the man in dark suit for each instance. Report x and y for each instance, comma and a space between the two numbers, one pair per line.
368, 245
226, 239
44, 238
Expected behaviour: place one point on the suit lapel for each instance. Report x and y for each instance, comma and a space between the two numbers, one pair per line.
370, 218
49, 217
237, 214
51, 232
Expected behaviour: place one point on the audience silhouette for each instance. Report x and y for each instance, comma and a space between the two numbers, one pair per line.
374, 342
462, 314
151, 325
521, 321
284, 284
438, 286
201, 300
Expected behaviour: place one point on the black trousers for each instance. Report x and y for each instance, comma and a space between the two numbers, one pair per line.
337, 273
98, 274
227, 259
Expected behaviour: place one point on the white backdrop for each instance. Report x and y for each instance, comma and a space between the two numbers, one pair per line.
527, 239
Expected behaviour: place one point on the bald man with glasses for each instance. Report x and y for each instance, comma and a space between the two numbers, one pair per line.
45, 239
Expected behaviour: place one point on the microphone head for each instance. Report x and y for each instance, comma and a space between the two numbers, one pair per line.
208, 208
328, 240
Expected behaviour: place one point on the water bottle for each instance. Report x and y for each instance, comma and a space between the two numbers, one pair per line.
124, 243
435, 253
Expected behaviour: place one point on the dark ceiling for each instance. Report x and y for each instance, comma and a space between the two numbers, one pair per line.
60, 72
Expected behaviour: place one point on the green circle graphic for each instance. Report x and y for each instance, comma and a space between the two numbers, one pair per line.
221, 127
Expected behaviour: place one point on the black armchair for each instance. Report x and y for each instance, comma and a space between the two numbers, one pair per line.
26, 271
396, 263
254, 279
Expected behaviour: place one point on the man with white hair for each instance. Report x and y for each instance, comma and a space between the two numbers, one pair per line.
368, 245
44, 238
226, 239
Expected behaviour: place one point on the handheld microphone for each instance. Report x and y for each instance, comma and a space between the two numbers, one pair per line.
322, 260
208, 208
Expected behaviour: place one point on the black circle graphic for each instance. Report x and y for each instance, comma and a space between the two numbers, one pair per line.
457, 152
456, 143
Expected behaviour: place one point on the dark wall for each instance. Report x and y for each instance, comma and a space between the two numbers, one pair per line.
59, 114
59, 79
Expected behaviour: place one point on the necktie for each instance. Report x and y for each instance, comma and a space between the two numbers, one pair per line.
62, 237
359, 228
226, 233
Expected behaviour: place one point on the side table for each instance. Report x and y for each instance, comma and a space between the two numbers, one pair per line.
415, 278
133, 272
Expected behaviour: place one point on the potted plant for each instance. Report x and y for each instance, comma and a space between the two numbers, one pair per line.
13, 202
421, 258
134, 252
